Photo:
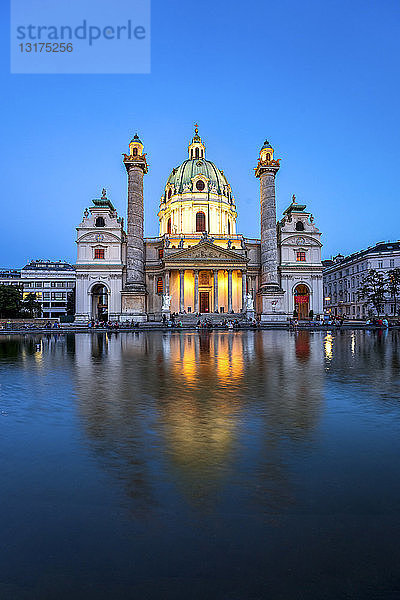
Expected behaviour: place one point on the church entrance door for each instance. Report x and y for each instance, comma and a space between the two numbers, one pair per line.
204, 302
302, 301
99, 303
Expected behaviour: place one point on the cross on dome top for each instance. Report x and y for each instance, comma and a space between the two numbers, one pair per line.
196, 147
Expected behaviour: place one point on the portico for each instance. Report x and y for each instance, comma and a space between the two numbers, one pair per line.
205, 279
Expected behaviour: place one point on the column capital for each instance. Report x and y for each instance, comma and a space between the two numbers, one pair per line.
270, 167
136, 162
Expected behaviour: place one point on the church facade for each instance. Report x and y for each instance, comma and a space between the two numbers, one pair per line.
199, 263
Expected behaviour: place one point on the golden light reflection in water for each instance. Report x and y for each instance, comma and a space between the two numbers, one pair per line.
195, 392
38, 354
224, 357
328, 346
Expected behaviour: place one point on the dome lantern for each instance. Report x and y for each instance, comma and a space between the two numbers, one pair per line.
136, 146
196, 147
266, 152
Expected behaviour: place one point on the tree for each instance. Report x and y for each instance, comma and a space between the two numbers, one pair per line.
373, 290
393, 286
10, 301
31, 305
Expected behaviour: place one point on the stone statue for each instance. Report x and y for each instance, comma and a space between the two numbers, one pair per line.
249, 302
166, 302
243, 244
229, 244
167, 242
103, 194
86, 213
180, 245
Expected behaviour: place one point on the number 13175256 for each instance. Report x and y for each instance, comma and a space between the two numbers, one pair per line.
46, 47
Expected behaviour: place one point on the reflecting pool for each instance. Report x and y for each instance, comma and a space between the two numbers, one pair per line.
187, 465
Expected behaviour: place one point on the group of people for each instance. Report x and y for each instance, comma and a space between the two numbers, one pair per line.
378, 322
12, 325
113, 325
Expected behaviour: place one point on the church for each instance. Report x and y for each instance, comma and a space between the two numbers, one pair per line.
199, 263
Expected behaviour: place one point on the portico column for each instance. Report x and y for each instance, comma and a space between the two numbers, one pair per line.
196, 291
181, 290
215, 290
229, 290
166, 282
244, 289
151, 295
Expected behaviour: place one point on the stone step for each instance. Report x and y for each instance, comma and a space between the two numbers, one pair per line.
213, 317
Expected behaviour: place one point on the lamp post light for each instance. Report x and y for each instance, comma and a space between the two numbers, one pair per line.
327, 299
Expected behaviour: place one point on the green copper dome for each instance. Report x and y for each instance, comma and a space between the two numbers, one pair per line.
181, 177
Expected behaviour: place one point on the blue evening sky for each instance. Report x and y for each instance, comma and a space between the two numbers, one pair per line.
319, 79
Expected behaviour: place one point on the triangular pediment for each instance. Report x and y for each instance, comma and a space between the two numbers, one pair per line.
205, 251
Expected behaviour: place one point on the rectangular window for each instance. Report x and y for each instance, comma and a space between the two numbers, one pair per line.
160, 285
160, 252
380, 264
38, 284
391, 262
46, 295
57, 295
53, 284
301, 256
99, 253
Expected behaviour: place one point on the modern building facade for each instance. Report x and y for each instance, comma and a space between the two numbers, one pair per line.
344, 275
198, 263
50, 281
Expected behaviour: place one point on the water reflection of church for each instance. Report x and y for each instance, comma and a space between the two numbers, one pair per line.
196, 403
198, 263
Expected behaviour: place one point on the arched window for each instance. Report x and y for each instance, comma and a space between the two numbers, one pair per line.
200, 185
134, 152
268, 156
169, 226
197, 153
229, 227
169, 193
160, 285
99, 222
299, 226
200, 221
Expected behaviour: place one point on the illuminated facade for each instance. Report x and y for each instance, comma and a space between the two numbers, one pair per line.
198, 263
